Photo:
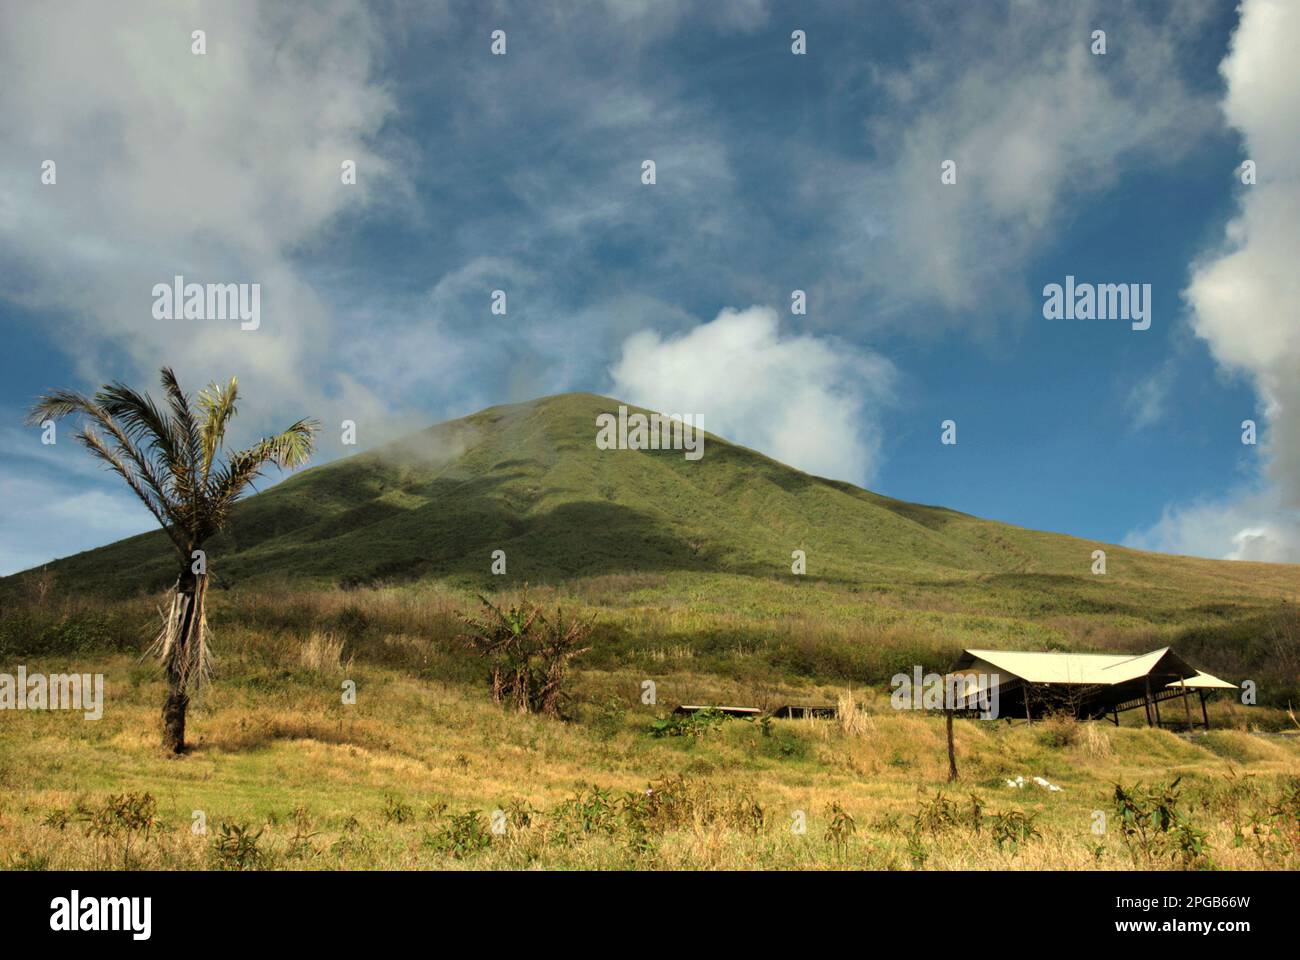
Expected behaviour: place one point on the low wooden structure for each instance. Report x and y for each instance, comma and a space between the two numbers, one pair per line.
1091, 686
789, 711
803, 711
687, 708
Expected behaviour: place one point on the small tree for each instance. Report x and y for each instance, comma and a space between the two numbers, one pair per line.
169, 459
39, 584
528, 655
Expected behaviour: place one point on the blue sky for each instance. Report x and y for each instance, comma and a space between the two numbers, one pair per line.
774, 172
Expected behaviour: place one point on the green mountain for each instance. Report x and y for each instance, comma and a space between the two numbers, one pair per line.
529, 479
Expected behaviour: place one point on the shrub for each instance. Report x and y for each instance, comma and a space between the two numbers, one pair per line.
936, 816
234, 847
396, 810
694, 725
529, 656
1059, 730
610, 716
841, 828
122, 819
464, 835
1153, 825
1013, 827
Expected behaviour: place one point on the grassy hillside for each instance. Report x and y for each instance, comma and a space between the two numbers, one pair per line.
528, 479
677, 555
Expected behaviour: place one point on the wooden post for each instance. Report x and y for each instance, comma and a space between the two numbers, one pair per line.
1146, 700
1187, 703
1204, 714
952, 754
1115, 714
1156, 703
1028, 716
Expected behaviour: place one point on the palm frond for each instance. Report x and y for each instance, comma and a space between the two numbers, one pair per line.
291, 448
169, 461
143, 484
128, 460
187, 426
59, 404
187, 429
218, 405
149, 428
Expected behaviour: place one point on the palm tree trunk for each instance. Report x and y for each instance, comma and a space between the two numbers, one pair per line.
174, 717
183, 654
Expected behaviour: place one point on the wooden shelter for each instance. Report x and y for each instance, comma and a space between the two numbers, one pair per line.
805, 711
789, 711
689, 708
1091, 686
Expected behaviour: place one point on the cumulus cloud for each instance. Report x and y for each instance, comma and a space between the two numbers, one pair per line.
1248, 525
218, 167
1034, 122
1245, 294
807, 401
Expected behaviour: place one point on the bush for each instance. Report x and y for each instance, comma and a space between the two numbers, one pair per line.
609, 717
1059, 730
33, 632
694, 725
234, 847
464, 835
529, 655
121, 820
1153, 825
1013, 827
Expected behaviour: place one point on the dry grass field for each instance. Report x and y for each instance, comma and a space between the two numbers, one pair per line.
359, 572
424, 771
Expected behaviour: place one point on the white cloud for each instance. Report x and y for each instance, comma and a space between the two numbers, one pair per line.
1242, 526
219, 167
1035, 124
807, 401
223, 168
48, 517
656, 17
1147, 402
1245, 296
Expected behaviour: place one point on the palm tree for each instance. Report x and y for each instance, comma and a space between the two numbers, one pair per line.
170, 459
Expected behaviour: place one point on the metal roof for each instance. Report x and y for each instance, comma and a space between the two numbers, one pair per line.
1204, 681
1085, 668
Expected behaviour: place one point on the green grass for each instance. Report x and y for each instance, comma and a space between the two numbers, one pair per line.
529, 479
697, 555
